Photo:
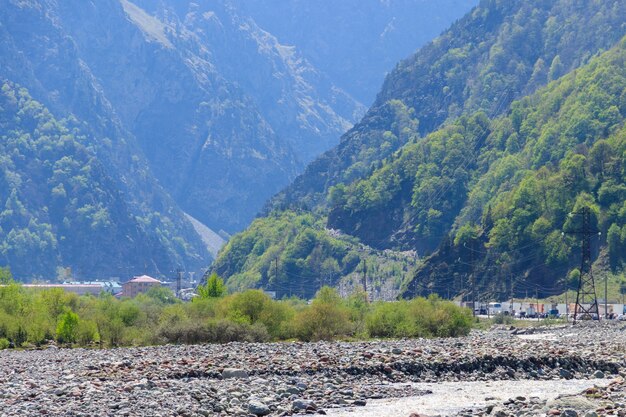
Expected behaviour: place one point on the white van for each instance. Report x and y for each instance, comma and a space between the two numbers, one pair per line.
495, 308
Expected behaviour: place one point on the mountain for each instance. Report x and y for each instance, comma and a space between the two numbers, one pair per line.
60, 207
500, 51
37, 55
417, 172
194, 112
355, 42
494, 197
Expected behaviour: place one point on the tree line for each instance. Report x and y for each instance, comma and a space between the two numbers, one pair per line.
32, 318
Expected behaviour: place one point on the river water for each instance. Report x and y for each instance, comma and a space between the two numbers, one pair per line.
448, 398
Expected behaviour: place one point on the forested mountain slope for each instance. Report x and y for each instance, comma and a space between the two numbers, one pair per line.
61, 208
495, 194
35, 52
394, 189
186, 106
500, 51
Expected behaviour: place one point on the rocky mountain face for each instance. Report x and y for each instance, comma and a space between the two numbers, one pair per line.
356, 42
444, 159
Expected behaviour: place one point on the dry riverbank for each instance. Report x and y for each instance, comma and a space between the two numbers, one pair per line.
286, 378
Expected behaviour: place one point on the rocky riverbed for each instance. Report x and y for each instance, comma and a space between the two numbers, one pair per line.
312, 378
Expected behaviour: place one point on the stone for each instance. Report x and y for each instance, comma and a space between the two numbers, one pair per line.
598, 374
573, 402
258, 408
498, 412
234, 373
301, 404
568, 412
564, 373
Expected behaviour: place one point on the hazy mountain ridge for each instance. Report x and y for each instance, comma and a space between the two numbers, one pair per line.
186, 106
340, 38
61, 207
65, 84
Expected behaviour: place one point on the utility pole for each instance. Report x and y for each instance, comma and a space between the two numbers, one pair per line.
473, 279
586, 284
365, 278
511, 293
179, 278
566, 307
537, 300
606, 296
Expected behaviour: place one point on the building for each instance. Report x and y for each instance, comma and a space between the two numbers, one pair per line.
139, 285
80, 289
111, 287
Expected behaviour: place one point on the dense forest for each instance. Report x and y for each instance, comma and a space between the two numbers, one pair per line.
294, 254
502, 189
459, 161
59, 206
500, 51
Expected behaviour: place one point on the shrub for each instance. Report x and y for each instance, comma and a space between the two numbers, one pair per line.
4, 343
325, 319
245, 307
87, 332
390, 319
502, 318
214, 331
128, 312
67, 328
419, 317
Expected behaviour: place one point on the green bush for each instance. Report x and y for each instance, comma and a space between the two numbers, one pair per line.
419, 317
30, 318
87, 332
214, 331
325, 319
67, 328
4, 343
391, 320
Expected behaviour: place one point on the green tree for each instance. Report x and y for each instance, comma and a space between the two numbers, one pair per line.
67, 328
5, 276
615, 245
214, 287
161, 294
556, 69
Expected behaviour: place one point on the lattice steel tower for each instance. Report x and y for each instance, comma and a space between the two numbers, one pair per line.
586, 294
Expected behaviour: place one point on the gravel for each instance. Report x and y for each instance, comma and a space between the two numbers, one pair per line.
248, 379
